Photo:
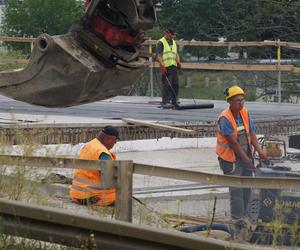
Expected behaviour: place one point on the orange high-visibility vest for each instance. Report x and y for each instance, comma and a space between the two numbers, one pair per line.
223, 148
86, 182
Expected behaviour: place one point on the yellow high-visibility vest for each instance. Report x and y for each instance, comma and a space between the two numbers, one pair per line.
169, 54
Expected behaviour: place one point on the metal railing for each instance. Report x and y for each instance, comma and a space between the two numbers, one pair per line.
119, 174
59, 226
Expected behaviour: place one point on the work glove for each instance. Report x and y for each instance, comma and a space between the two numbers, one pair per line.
178, 64
163, 70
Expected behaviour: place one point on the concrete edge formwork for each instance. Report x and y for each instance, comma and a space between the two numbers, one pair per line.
76, 133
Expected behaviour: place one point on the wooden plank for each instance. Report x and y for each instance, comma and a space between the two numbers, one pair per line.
14, 61
16, 39
237, 67
123, 206
229, 44
187, 43
159, 126
206, 66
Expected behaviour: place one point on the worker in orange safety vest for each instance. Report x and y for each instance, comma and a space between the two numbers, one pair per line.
236, 139
86, 185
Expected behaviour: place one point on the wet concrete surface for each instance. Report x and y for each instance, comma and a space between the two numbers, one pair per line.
140, 107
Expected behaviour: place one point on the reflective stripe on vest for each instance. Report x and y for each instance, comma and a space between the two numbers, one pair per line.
223, 148
240, 127
87, 183
169, 54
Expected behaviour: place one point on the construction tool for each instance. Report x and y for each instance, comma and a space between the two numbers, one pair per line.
188, 106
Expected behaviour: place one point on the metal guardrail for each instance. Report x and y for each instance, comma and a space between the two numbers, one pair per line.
109, 169
119, 174
59, 226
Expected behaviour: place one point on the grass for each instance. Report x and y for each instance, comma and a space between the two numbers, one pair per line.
211, 84
14, 55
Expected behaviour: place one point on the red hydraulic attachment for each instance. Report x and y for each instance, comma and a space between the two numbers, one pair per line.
111, 35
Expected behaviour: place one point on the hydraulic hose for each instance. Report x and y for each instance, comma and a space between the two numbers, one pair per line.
204, 227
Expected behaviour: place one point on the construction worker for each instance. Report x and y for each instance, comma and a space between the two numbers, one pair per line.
169, 61
235, 141
86, 185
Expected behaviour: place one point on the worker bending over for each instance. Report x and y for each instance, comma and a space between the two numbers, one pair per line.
86, 186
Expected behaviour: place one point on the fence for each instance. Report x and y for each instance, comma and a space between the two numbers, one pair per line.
46, 224
119, 174
202, 66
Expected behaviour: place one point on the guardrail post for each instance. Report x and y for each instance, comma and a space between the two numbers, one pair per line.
123, 206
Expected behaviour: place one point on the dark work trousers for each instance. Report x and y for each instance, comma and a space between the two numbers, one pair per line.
239, 197
170, 86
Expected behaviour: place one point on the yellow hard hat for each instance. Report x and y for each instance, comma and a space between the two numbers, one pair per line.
233, 91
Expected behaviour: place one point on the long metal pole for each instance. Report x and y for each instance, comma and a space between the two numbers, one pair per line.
151, 71
279, 70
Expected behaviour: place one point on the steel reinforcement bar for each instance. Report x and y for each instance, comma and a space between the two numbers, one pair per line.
73, 134
61, 227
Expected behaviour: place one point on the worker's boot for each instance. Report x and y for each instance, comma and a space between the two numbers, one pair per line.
167, 106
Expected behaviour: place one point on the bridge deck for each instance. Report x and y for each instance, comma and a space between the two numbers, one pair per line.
143, 108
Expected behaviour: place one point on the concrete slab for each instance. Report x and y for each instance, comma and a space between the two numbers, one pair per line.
143, 108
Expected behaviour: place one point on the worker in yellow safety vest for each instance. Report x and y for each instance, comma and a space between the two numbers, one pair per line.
169, 61
236, 139
86, 185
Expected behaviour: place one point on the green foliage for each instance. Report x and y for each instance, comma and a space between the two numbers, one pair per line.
31, 18
235, 20
231, 19
11, 54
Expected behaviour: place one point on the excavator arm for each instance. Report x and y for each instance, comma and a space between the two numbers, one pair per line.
100, 57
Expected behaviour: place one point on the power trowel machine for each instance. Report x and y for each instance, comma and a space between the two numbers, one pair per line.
273, 213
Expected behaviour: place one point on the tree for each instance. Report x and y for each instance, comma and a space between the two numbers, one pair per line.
237, 20
30, 18
234, 20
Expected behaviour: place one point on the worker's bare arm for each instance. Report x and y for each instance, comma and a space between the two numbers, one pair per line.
257, 147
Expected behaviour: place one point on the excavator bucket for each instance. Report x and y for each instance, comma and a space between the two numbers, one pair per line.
100, 57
